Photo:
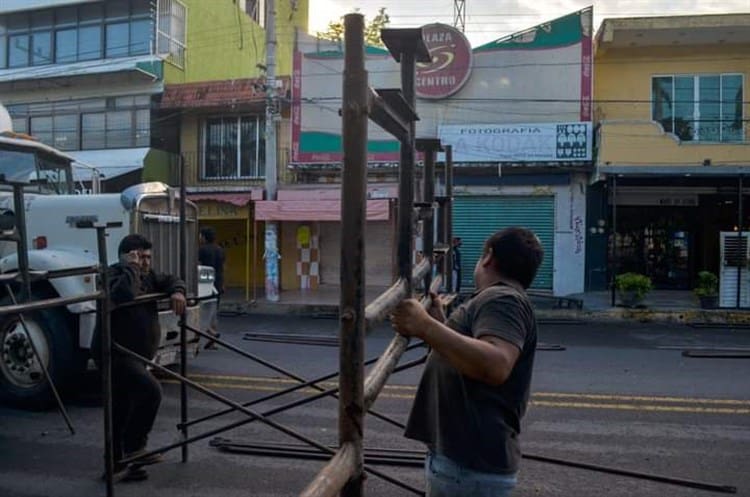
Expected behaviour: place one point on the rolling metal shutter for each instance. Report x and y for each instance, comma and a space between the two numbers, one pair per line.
475, 218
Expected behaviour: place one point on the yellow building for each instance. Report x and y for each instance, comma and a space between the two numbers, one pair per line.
673, 145
212, 115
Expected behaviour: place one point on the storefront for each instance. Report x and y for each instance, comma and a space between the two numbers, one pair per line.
669, 224
231, 215
310, 236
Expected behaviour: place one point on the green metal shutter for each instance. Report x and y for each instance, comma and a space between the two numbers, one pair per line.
475, 218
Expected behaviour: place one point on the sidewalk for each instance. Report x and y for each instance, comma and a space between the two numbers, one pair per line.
659, 306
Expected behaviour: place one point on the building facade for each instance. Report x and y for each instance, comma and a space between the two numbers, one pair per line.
517, 112
673, 148
84, 76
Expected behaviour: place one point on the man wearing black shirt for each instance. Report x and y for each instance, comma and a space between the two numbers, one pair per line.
211, 254
136, 394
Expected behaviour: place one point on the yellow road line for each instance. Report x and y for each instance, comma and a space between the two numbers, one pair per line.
642, 398
535, 395
639, 407
535, 403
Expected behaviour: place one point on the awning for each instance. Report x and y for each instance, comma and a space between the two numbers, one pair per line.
314, 210
374, 191
216, 93
674, 170
148, 65
238, 199
107, 163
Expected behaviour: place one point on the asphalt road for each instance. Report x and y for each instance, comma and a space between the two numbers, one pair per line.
618, 395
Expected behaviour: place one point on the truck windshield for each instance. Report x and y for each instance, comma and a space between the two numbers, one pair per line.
43, 175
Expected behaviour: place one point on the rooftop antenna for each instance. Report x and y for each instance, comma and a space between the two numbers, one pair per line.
459, 15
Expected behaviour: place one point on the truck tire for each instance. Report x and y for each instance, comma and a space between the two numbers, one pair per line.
22, 382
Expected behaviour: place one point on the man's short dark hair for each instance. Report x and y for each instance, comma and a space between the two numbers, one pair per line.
208, 234
517, 253
133, 242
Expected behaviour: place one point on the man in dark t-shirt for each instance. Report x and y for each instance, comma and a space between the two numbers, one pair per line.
476, 383
211, 254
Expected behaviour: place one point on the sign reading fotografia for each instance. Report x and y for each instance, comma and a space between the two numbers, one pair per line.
541, 142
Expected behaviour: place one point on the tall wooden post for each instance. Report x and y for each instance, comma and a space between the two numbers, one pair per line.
352, 274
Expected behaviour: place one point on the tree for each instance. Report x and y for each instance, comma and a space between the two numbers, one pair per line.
335, 30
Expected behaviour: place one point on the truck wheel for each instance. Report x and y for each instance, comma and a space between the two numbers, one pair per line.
22, 382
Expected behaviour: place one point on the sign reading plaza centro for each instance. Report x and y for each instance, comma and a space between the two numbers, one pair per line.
541, 142
451, 62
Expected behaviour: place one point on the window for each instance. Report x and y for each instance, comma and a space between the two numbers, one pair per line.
699, 108
256, 10
90, 31
233, 148
120, 122
170, 31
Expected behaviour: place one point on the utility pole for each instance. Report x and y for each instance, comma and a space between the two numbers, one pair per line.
459, 15
271, 254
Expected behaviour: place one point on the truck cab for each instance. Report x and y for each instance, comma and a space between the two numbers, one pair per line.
63, 335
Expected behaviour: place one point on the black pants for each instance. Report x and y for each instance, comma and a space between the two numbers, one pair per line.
136, 396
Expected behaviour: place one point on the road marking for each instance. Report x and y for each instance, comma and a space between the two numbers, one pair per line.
639, 407
626, 402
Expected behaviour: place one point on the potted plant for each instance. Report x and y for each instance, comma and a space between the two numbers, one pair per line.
707, 289
632, 288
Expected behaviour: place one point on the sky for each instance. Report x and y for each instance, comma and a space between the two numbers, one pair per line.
488, 20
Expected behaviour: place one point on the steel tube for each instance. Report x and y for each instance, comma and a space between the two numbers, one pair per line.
47, 303
22, 246
183, 318
286, 390
428, 231
448, 218
334, 475
104, 308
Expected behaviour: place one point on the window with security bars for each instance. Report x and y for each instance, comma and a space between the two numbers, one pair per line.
705, 108
171, 31
234, 147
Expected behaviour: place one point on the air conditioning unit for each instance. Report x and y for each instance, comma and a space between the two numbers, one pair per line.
734, 273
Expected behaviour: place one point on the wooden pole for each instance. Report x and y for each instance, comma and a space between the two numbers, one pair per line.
352, 274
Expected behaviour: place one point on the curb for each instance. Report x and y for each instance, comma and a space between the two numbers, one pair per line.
615, 314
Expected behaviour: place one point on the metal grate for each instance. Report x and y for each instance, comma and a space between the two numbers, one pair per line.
735, 251
161, 225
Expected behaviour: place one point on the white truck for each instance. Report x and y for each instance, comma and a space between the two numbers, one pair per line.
62, 335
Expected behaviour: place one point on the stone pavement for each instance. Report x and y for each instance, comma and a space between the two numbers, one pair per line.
658, 306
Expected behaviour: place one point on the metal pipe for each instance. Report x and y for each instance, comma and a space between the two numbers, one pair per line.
335, 474
252, 414
47, 303
449, 216
428, 231
740, 245
613, 231
45, 371
275, 410
104, 312
406, 175
286, 390
352, 274
183, 318
280, 370
22, 244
